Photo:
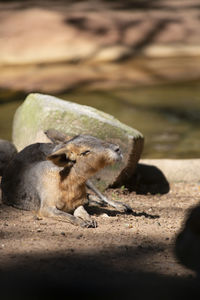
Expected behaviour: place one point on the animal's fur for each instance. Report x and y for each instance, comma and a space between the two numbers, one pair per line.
51, 178
7, 152
57, 137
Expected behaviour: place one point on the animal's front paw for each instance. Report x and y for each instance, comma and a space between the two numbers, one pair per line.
122, 207
88, 223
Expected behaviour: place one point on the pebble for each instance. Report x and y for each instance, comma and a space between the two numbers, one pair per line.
128, 225
79, 236
43, 223
104, 215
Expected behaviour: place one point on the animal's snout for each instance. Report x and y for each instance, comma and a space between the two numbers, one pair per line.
118, 152
116, 149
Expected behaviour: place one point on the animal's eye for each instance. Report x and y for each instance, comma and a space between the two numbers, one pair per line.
85, 152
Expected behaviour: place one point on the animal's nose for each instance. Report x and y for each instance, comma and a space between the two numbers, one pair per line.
118, 155
116, 149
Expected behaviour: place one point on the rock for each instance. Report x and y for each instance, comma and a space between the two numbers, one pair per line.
7, 151
40, 112
105, 215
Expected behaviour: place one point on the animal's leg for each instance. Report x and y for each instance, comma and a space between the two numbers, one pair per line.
94, 200
60, 215
81, 213
118, 205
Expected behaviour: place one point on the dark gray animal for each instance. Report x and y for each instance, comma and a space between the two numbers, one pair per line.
7, 152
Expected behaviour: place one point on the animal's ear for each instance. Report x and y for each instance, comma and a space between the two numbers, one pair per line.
59, 157
64, 156
56, 136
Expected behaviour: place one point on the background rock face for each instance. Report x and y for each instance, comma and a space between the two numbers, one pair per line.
41, 112
97, 30
42, 42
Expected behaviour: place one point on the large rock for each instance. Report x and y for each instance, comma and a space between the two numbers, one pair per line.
41, 112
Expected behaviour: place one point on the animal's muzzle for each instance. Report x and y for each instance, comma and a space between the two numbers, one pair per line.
118, 151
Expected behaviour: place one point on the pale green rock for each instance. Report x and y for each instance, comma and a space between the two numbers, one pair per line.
41, 112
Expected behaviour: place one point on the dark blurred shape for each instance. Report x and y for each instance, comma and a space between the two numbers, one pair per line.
187, 247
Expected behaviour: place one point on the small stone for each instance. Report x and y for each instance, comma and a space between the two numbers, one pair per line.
104, 215
43, 223
63, 233
129, 225
37, 218
79, 236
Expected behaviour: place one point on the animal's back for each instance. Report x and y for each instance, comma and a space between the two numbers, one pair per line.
20, 180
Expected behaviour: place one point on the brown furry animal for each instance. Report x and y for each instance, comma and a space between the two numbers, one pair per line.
51, 178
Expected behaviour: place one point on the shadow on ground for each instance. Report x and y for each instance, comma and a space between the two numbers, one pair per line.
148, 179
89, 276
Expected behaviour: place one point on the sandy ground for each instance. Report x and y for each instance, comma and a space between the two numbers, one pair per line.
126, 256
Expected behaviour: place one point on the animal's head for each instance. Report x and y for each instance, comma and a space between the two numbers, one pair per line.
86, 154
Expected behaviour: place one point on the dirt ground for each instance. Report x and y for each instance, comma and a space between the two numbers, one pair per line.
126, 256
